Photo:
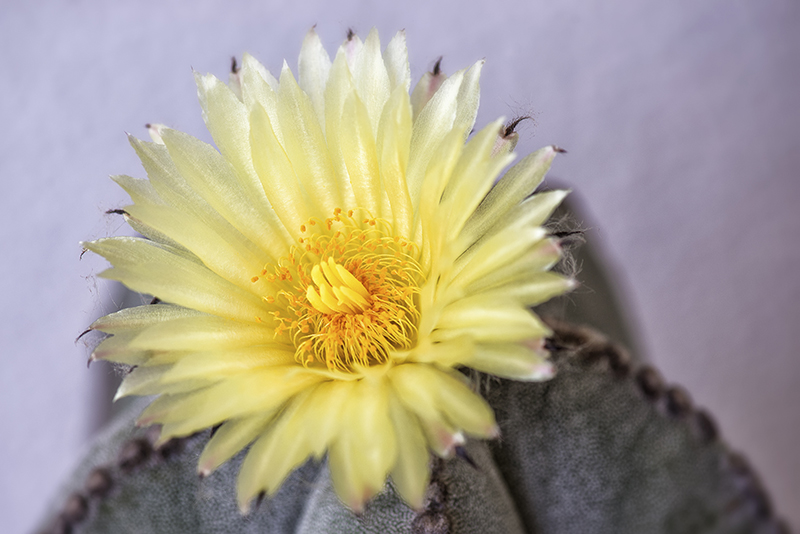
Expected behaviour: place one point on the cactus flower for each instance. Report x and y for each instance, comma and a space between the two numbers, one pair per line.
326, 272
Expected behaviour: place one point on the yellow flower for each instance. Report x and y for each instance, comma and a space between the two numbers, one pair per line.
325, 274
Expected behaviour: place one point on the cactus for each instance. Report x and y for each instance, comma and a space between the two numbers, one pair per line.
605, 446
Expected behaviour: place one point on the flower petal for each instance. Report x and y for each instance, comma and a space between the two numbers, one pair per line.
229, 439
395, 57
410, 472
313, 68
155, 270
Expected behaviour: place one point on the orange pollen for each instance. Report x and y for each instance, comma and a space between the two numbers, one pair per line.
351, 292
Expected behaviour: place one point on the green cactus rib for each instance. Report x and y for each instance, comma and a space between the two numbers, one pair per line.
601, 448
605, 447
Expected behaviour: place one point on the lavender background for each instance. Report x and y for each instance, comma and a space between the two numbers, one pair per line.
681, 119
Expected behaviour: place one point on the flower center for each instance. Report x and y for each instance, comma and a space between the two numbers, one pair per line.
339, 291
351, 291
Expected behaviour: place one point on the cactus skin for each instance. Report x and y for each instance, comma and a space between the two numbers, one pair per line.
597, 449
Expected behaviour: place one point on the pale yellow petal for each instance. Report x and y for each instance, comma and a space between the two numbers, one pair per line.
489, 321
365, 448
278, 178
117, 348
213, 178
395, 57
226, 362
313, 68
358, 149
531, 290
140, 191
239, 395
204, 332
426, 87
148, 381
518, 183
500, 249
176, 192
279, 450
445, 354
410, 472
393, 144
540, 257
259, 88
154, 235
434, 123
227, 119
371, 78
140, 317
229, 439
305, 146
469, 95
340, 86
517, 362
430, 392
472, 178
220, 255
322, 411
150, 269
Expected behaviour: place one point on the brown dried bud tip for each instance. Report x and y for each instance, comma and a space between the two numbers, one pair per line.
512, 126
437, 67
234, 66
350, 34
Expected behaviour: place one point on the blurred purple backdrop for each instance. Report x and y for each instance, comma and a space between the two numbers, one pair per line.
681, 119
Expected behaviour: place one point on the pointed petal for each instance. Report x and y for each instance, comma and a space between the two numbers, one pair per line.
358, 150
229, 439
227, 119
154, 270
204, 332
371, 78
516, 362
140, 317
518, 183
396, 60
305, 145
313, 69
469, 96
226, 362
393, 144
410, 472
278, 178
211, 176
434, 123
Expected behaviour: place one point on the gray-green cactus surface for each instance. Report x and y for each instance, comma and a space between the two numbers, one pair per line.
600, 448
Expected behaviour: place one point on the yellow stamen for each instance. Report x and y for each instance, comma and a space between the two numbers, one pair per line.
352, 297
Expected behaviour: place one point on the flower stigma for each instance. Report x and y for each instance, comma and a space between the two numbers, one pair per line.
352, 290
